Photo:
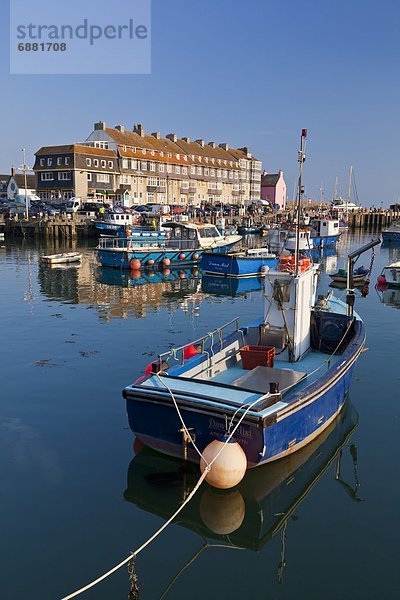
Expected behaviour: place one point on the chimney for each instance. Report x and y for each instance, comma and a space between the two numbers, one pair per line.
120, 128
99, 126
200, 142
156, 134
186, 139
212, 144
139, 129
12, 171
173, 137
224, 147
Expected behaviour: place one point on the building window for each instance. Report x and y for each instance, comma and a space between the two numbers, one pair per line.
66, 160
103, 164
177, 169
193, 170
47, 176
125, 163
212, 172
219, 173
162, 182
184, 170
110, 164
152, 166
103, 145
161, 168
59, 160
161, 198
144, 166
153, 181
126, 179
150, 196
199, 170
89, 176
49, 162
206, 172
103, 178
134, 165
96, 162
42, 162
64, 176
88, 162
169, 168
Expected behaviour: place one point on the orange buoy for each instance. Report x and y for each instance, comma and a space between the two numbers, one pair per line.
135, 274
229, 468
150, 262
134, 264
182, 256
195, 256
182, 275
166, 272
166, 262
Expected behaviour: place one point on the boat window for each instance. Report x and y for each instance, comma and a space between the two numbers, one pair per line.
207, 232
336, 224
176, 232
192, 234
281, 291
324, 224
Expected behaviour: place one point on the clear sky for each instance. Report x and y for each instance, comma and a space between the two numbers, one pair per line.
247, 73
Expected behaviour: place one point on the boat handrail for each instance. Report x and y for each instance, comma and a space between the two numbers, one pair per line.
172, 353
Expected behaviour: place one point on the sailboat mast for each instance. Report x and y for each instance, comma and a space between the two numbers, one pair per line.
349, 192
335, 188
301, 159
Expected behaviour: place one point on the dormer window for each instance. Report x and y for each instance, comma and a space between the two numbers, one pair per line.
49, 162
124, 148
143, 150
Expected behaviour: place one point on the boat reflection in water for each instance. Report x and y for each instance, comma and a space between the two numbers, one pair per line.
259, 507
230, 286
388, 296
135, 278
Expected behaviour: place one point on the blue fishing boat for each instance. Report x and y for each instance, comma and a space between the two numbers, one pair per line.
249, 263
183, 247
263, 501
325, 232
275, 383
140, 228
391, 235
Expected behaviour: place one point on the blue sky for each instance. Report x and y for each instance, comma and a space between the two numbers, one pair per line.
250, 74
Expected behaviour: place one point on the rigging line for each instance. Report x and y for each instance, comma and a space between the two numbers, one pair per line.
169, 521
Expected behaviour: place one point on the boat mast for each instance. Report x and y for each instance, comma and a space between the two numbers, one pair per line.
335, 188
301, 158
349, 193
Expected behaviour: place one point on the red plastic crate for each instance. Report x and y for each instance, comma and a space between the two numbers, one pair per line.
257, 356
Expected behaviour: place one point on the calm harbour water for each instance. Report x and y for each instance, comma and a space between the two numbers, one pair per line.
74, 503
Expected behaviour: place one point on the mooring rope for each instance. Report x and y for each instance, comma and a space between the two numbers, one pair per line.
207, 469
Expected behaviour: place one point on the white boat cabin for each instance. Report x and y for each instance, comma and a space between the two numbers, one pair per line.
325, 227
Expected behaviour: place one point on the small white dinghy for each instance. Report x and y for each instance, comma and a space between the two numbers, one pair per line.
59, 259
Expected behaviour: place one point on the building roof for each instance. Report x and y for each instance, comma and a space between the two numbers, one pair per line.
194, 152
20, 181
75, 149
270, 180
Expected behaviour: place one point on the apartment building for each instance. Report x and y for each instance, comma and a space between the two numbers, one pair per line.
135, 168
76, 170
172, 170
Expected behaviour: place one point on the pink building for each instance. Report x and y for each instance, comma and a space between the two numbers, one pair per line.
273, 189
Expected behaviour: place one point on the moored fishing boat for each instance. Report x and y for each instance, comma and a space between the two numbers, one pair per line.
249, 263
360, 275
390, 275
392, 234
275, 383
183, 247
260, 505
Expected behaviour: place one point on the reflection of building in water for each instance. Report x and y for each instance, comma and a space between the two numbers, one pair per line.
120, 295
260, 506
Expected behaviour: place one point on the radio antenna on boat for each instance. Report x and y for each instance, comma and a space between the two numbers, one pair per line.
301, 158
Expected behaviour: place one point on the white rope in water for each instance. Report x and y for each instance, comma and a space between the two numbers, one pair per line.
207, 469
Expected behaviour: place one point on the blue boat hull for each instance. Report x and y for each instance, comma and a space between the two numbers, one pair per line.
155, 258
325, 242
391, 236
263, 439
234, 266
